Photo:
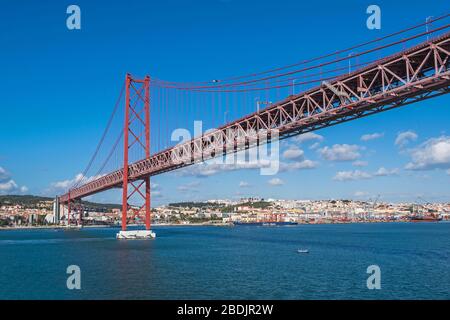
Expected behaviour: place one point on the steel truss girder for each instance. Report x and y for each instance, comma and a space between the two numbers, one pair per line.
412, 75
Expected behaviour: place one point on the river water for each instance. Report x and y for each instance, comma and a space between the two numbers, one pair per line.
189, 262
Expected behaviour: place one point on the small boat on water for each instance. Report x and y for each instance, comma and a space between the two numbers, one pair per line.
425, 218
302, 250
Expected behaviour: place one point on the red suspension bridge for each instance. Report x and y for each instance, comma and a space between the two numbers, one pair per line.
398, 69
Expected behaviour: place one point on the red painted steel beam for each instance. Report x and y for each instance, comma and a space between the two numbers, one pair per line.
125, 153
147, 151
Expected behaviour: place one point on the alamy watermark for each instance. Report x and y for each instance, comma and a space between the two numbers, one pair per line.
335, 90
73, 21
374, 20
234, 147
74, 280
374, 280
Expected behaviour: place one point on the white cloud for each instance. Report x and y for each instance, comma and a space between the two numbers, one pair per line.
371, 136
276, 182
359, 175
200, 170
360, 163
155, 189
351, 175
154, 186
308, 136
209, 168
8, 185
63, 185
361, 194
433, 153
3, 174
340, 152
296, 155
293, 153
448, 172
382, 172
244, 184
156, 194
403, 138
298, 165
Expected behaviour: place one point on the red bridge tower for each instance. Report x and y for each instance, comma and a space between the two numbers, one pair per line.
137, 114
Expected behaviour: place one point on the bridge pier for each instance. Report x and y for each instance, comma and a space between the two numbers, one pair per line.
135, 234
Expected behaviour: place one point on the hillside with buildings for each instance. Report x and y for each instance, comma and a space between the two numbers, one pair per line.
19, 211
29, 210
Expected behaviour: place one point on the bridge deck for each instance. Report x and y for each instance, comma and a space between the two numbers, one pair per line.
412, 75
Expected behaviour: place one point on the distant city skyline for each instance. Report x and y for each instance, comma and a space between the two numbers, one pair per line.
48, 120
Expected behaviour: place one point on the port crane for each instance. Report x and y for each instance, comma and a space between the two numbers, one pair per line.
369, 209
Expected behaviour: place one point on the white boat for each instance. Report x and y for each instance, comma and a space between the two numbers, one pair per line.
303, 251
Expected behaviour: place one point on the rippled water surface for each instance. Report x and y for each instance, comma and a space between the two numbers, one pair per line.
230, 263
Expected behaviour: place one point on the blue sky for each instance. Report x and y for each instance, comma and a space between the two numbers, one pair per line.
58, 87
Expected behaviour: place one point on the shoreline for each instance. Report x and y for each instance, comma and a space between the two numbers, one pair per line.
198, 225
114, 226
